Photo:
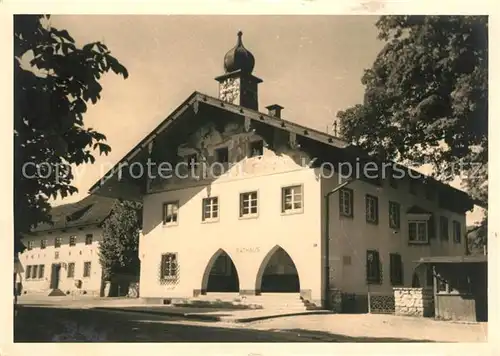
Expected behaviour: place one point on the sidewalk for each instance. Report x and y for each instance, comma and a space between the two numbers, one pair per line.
138, 306
211, 314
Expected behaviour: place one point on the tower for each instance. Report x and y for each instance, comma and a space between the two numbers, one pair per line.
237, 85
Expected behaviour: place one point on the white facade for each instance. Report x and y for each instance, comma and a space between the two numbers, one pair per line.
250, 242
85, 250
270, 247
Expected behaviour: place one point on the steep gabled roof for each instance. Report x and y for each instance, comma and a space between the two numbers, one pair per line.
196, 99
91, 210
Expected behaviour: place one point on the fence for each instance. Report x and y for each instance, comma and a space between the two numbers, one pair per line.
375, 303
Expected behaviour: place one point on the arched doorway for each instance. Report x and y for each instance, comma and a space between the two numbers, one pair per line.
220, 274
278, 273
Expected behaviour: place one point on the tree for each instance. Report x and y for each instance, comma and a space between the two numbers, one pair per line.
54, 81
426, 99
118, 251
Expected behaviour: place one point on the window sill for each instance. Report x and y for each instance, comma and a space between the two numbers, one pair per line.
346, 216
418, 242
170, 225
246, 217
168, 279
292, 212
210, 221
372, 222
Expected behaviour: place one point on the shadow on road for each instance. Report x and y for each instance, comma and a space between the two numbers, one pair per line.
46, 324
323, 336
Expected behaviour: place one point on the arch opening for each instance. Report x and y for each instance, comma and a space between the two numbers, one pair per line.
278, 273
220, 274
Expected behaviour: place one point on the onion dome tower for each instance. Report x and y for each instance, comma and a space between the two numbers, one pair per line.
237, 85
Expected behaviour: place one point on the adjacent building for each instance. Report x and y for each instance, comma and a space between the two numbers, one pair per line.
62, 258
240, 200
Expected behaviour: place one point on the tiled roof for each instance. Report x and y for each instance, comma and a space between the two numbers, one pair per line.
91, 210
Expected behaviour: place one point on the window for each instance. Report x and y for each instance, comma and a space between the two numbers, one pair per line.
210, 209
41, 271
71, 270
461, 284
34, 271
86, 269
443, 228
248, 204
396, 265
72, 240
30, 245
372, 266
256, 148
442, 286
457, 232
394, 215
371, 209
346, 202
57, 242
88, 239
56, 255
222, 155
168, 266
417, 232
170, 213
43, 244
28, 272
191, 161
413, 186
291, 199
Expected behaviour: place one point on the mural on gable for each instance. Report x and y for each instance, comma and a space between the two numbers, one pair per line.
199, 154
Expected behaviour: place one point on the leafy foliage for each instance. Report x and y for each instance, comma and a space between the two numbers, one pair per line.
118, 251
426, 98
51, 94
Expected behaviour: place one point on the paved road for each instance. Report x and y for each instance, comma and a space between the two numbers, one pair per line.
47, 324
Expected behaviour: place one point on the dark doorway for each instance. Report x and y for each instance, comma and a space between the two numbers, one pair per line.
54, 276
280, 274
223, 275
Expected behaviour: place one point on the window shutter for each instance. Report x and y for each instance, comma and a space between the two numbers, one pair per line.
368, 265
431, 226
376, 263
351, 202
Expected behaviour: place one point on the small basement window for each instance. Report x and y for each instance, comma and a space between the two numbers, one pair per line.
256, 148
222, 155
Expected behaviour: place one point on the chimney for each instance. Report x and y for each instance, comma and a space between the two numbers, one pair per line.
275, 110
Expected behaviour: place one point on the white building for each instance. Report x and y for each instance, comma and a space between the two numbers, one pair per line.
57, 256
275, 220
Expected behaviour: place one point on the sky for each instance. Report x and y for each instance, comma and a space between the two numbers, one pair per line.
310, 65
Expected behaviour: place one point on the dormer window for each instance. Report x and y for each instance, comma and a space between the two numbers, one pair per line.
222, 155
191, 161
256, 148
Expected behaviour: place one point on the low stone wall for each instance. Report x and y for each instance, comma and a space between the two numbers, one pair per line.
414, 301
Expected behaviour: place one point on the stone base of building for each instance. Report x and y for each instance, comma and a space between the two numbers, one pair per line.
414, 302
